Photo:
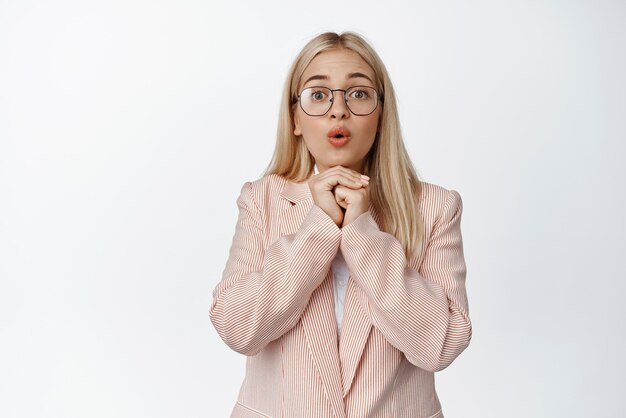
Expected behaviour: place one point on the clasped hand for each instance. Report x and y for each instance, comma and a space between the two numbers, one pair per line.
342, 193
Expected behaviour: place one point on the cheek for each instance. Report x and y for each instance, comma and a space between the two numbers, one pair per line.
314, 148
308, 127
371, 128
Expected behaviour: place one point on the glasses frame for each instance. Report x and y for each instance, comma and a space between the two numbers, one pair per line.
379, 99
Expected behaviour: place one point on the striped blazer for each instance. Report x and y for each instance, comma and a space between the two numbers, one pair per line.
404, 319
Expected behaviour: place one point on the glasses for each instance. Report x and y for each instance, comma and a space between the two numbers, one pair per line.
360, 100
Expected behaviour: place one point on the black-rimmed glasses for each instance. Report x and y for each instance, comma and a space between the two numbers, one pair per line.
360, 100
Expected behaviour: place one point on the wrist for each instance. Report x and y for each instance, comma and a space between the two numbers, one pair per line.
352, 215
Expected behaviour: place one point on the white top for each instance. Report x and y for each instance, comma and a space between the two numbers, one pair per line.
341, 274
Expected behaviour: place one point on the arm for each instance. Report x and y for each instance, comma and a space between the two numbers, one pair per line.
423, 314
263, 292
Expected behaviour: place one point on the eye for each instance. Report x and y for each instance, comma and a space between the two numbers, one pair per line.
317, 95
360, 94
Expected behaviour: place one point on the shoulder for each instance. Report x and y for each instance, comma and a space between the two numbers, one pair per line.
269, 184
437, 202
263, 193
435, 193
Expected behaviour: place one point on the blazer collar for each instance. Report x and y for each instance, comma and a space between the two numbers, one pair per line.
296, 192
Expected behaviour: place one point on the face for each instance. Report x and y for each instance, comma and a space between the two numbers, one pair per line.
337, 69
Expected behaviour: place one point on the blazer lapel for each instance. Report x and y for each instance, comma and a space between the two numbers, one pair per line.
318, 319
355, 332
356, 329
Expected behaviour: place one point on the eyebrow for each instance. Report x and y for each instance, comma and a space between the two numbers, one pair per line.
316, 77
351, 75
360, 75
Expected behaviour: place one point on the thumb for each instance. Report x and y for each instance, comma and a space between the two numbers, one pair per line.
341, 196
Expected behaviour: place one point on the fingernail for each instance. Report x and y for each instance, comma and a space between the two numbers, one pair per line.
364, 177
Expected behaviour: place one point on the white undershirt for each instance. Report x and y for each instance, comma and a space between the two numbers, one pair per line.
340, 274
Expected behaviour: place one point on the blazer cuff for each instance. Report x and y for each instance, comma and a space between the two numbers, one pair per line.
363, 225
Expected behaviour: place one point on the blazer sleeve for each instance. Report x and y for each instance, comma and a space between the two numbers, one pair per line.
423, 314
264, 291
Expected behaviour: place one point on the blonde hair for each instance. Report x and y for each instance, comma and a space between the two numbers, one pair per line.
394, 186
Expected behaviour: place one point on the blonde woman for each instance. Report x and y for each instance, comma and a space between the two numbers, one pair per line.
345, 284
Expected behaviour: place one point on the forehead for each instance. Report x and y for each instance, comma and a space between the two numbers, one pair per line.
337, 65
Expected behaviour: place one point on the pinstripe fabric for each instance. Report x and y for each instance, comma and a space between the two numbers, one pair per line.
404, 319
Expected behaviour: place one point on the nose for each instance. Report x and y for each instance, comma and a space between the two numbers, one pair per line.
339, 107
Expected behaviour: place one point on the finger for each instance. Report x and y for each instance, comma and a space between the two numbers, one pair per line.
346, 194
341, 193
347, 171
331, 180
350, 196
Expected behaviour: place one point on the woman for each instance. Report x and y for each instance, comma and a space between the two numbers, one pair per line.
345, 284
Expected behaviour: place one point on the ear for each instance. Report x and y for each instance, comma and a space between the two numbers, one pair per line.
297, 130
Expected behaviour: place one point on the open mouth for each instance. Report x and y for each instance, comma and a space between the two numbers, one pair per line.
338, 136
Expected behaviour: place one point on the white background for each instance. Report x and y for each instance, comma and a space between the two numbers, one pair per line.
127, 129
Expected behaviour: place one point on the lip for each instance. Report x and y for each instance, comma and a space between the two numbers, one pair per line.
338, 136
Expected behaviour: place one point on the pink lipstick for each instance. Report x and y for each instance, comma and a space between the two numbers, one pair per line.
338, 136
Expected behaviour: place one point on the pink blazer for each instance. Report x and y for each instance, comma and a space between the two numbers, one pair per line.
404, 319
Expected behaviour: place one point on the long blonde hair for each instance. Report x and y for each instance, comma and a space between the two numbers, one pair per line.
394, 186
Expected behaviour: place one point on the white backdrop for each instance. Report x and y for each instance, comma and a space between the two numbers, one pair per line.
127, 128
